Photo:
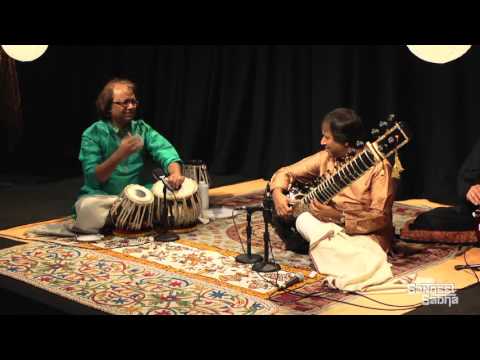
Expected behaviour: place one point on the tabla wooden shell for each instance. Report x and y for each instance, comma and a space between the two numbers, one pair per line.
134, 209
183, 205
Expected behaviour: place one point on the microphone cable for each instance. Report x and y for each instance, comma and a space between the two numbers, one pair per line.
274, 261
163, 179
243, 249
236, 229
316, 295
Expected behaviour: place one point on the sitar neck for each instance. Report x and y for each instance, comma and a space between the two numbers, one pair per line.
343, 177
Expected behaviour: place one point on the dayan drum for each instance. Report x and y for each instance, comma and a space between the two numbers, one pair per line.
134, 209
196, 170
183, 206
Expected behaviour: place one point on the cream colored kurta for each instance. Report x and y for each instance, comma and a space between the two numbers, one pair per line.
350, 262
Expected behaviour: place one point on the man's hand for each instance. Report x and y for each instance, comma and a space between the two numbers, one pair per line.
129, 145
282, 206
473, 195
176, 180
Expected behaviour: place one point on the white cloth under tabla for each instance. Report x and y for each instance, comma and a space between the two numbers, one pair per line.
351, 263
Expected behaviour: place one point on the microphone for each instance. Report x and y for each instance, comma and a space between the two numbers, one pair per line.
250, 208
296, 279
472, 267
265, 205
159, 175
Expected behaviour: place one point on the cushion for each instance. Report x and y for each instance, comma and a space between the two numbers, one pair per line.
437, 236
451, 218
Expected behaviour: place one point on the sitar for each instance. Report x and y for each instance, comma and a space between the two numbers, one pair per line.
392, 136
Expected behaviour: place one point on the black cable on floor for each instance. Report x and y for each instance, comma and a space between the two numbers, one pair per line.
466, 263
315, 295
236, 229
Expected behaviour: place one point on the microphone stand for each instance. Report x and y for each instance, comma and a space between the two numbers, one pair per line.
165, 235
248, 258
266, 265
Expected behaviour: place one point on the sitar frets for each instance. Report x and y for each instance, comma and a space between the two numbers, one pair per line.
348, 173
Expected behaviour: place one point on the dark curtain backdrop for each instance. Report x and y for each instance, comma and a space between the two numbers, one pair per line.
251, 109
11, 122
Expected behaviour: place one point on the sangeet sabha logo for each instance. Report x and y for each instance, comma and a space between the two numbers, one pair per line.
435, 294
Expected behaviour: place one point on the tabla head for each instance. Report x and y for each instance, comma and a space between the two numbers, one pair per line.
188, 188
138, 194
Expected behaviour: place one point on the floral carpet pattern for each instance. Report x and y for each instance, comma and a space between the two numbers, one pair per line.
120, 286
211, 265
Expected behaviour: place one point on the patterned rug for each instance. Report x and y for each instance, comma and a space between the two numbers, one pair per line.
206, 256
189, 258
122, 286
210, 264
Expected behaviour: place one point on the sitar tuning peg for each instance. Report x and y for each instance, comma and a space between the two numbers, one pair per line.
359, 144
375, 132
391, 118
383, 125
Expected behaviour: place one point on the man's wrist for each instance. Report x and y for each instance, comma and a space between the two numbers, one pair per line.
119, 155
174, 169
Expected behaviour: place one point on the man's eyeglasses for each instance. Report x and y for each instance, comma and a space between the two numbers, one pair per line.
127, 102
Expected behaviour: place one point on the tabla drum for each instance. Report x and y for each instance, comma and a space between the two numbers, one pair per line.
196, 170
183, 205
133, 211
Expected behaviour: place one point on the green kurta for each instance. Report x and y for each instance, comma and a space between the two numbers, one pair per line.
101, 139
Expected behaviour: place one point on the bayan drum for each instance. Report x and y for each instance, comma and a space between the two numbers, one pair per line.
196, 170
183, 206
133, 211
